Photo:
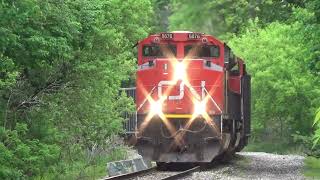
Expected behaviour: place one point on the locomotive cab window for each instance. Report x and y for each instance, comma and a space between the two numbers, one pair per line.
158, 51
202, 51
235, 70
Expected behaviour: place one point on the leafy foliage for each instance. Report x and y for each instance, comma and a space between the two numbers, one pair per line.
21, 156
222, 17
312, 166
317, 125
62, 64
275, 59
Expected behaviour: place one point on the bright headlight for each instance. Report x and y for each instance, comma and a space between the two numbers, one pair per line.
180, 71
199, 108
156, 107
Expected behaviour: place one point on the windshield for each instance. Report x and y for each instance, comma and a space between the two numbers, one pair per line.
159, 50
193, 51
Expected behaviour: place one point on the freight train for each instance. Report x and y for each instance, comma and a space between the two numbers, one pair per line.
192, 99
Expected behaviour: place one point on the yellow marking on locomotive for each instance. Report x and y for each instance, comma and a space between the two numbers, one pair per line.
178, 115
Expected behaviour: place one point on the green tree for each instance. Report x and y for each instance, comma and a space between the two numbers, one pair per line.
62, 64
162, 12
283, 91
309, 20
225, 16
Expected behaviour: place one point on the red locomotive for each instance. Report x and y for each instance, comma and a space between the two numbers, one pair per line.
192, 98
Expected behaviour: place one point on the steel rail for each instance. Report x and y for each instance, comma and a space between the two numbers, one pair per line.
131, 175
183, 173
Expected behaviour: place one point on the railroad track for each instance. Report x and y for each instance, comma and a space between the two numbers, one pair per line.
153, 173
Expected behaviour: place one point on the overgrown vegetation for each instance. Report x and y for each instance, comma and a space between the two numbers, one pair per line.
312, 166
61, 66
283, 91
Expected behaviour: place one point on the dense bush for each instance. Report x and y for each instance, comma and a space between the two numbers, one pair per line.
61, 66
283, 91
21, 156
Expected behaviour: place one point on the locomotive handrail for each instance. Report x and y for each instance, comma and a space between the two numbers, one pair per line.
213, 100
145, 100
129, 88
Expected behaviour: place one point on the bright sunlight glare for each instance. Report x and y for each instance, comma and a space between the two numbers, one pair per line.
199, 108
156, 107
180, 71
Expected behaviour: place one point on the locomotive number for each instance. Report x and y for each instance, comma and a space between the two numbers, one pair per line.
167, 36
194, 36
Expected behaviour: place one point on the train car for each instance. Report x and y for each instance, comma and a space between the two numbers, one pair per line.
192, 99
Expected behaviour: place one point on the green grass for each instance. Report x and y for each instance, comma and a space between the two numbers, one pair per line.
83, 170
275, 147
312, 168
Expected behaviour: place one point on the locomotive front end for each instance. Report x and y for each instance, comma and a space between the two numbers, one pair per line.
180, 98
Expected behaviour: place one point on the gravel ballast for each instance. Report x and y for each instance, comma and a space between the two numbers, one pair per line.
245, 165
255, 165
